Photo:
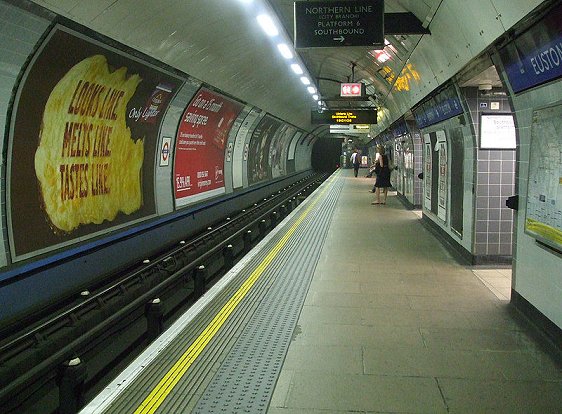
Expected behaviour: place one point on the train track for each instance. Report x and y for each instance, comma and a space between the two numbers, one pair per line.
107, 326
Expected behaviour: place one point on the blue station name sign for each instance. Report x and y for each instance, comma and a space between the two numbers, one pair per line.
535, 57
339, 23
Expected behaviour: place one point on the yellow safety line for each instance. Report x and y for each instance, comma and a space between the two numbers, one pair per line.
157, 396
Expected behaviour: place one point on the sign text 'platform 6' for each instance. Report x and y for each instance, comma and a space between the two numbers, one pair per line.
339, 23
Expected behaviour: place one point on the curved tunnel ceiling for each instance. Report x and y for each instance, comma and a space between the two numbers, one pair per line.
220, 42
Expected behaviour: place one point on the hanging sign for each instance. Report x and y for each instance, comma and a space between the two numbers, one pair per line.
352, 90
339, 23
346, 117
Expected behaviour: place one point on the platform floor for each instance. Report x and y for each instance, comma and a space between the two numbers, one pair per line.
387, 322
393, 324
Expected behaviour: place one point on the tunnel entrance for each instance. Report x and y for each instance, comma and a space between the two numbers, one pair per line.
326, 154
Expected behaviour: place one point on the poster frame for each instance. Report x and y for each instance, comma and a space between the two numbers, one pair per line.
551, 242
97, 41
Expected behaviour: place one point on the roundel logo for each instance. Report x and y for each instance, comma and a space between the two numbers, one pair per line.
165, 151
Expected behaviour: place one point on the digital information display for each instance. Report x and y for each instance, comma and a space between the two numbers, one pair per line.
345, 117
497, 132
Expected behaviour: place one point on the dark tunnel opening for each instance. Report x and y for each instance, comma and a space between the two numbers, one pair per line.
326, 154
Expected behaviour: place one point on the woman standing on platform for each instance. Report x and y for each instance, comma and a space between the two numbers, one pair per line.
383, 176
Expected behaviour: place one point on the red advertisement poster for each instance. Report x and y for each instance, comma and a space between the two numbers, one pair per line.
83, 134
200, 146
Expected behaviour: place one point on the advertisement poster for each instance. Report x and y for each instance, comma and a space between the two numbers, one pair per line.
200, 146
293, 146
278, 150
258, 154
241, 147
443, 182
83, 142
427, 171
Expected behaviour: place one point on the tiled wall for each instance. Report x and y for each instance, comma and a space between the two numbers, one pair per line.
495, 181
494, 221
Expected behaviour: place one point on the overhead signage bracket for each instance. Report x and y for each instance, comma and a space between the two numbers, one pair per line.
403, 24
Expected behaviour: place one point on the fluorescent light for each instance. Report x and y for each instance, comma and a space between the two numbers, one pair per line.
285, 51
305, 80
315, 97
311, 89
267, 25
297, 69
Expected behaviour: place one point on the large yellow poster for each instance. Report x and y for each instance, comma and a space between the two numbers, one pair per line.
84, 131
87, 163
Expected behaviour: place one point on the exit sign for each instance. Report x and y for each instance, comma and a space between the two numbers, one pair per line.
352, 90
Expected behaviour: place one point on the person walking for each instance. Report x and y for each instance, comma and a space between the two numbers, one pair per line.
383, 177
356, 161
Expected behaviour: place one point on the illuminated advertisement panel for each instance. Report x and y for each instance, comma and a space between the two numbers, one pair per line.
200, 146
258, 153
83, 138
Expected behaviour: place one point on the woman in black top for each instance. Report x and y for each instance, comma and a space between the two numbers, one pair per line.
383, 177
